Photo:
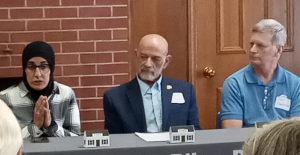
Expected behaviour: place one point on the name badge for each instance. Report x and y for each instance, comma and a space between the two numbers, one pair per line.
282, 102
177, 98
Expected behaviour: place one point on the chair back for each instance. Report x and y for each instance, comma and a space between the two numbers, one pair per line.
218, 122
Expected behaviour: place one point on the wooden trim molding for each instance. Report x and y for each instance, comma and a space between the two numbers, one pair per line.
289, 17
222, 22
130, 40
192, 42
289, 47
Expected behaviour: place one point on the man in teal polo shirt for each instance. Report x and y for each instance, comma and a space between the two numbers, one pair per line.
262, 91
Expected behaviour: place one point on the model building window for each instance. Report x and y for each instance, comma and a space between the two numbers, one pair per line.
176, 138
91, 142
104, 141
190, 137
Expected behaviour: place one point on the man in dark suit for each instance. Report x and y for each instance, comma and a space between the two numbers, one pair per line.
150, 102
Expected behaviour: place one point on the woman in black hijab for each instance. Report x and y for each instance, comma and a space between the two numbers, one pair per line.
42, 106
38, 87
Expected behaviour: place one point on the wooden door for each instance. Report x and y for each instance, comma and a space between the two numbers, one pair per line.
168, 18
222, 29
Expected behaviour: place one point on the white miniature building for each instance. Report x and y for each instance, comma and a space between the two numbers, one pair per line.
96, 138
180, 134
260, 124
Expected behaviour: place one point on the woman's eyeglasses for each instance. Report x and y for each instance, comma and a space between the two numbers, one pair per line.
44, 68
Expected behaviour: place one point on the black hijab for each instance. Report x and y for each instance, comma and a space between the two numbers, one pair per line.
44, 50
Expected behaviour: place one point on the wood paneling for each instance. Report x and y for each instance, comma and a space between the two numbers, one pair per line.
168, 18
230, 26
282, 11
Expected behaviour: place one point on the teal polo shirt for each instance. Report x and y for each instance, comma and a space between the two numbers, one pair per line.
247, 98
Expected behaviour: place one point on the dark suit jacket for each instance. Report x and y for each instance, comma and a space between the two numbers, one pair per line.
124, 109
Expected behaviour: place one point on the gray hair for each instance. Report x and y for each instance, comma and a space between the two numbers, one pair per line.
278, 138
10, 132
274, 27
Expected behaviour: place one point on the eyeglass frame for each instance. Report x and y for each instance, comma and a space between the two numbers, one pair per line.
32, 67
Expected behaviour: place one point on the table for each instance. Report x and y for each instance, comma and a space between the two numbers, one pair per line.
208, 142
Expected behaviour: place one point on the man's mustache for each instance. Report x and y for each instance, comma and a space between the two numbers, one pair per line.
147, 69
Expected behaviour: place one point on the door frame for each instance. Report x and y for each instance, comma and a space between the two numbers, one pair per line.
192, 43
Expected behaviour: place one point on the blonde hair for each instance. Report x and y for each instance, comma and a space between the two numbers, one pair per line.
277, 138
274, 27
10, 131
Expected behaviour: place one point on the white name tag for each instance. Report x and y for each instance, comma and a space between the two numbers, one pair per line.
282, 102
177, 98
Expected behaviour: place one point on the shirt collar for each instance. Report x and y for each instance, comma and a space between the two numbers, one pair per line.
251, 77
24, 91
145, 87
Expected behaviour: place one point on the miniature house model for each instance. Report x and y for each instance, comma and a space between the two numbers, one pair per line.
96, 138
260, 124
179, 134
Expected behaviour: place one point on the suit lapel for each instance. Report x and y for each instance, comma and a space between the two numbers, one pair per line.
136, 101
166, 96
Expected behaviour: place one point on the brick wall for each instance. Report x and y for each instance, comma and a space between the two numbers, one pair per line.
90, 40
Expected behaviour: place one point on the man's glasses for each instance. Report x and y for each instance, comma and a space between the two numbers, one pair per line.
44, 68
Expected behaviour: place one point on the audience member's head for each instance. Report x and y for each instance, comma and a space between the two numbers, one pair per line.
10, 132
273, 27
152, 56
280, 137
38, 62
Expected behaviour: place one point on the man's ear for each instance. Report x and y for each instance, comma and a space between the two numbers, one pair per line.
135, 52
279, 50
167, 61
